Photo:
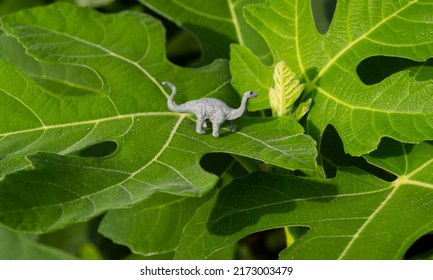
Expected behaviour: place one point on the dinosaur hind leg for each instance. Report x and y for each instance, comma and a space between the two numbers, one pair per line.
231, 126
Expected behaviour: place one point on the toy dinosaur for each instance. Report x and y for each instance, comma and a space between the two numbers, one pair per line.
211, 109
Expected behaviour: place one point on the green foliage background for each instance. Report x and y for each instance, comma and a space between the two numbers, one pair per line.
94, 166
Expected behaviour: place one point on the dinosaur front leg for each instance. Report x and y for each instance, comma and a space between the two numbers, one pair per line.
199, 125
216, 129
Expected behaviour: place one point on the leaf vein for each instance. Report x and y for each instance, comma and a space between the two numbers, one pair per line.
176, 171
360, 38
87, 122
25, 105
235, 22
367, 222
109, 53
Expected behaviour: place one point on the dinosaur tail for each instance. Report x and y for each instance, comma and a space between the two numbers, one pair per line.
170, 103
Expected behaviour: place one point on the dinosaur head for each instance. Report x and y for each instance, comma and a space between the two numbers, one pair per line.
251, 94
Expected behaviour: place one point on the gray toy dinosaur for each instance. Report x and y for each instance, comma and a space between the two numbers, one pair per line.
211, 109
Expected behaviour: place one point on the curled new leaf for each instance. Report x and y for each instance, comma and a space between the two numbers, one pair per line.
302, 109
286, 90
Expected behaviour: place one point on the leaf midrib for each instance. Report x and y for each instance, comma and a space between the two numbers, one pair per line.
90, 122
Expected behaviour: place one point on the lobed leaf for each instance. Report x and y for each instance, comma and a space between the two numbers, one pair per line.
354, 216
398, 107
84, 128
43, 131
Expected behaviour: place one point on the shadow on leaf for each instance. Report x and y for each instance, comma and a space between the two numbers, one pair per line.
262, 198
103, 149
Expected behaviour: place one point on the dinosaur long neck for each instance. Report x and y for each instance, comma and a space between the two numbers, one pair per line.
170, 103
237, 113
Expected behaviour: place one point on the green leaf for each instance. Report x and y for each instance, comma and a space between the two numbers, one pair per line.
59, 78
217, 24
399, 106
153, 226
84, 129
42, 131
17, 246
249, 72
354, 216
165, 215
287, 89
